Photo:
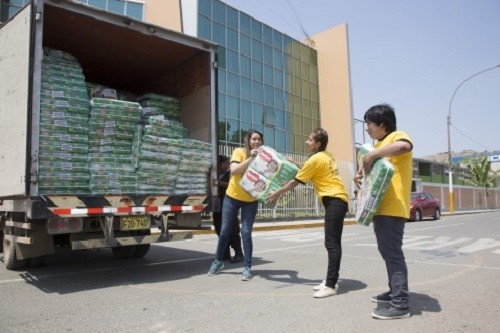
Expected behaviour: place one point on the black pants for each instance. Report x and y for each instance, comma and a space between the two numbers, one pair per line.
389, 231
335, 211
234, 238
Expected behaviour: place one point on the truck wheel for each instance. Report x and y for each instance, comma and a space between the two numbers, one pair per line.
123, 252
10, 257
141, 250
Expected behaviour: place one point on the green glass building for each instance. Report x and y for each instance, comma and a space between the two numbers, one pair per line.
266, 80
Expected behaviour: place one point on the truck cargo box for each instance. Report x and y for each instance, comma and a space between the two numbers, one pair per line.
121, 56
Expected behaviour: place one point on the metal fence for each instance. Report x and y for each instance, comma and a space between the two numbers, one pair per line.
302, 201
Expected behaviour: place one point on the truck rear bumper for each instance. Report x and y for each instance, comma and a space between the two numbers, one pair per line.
96, 243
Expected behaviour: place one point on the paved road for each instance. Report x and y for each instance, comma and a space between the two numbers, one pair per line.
454, 267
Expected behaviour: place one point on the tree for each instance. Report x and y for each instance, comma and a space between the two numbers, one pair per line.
480, 173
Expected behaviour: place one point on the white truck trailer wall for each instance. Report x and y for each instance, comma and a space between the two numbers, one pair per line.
14, 89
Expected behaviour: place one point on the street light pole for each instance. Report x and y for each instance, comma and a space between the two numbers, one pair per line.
450, 172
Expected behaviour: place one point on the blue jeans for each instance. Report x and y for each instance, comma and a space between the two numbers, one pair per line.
389, 231
230, 209
335, 211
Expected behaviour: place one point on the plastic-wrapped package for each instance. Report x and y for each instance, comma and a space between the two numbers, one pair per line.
64, 112
373, 188
113, 127
268, 172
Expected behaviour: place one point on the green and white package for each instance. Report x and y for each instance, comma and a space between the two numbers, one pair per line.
270, 168
373, 188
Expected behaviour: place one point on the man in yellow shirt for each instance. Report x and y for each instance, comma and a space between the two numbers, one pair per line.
390, 218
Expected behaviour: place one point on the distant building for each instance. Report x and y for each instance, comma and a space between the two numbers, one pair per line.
495, 162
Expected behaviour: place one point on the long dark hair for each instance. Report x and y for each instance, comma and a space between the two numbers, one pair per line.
248, 136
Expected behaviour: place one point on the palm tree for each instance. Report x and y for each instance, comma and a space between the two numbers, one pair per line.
480, 173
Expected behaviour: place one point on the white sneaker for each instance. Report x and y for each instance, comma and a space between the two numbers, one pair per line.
319, 286
325, 292
322, 284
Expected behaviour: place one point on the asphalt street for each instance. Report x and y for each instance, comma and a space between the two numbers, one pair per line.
454, 271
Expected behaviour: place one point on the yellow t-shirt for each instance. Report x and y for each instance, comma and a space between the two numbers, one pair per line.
396, 201
234, 190
321, 170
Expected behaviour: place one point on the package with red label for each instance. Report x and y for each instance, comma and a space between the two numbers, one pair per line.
268, 172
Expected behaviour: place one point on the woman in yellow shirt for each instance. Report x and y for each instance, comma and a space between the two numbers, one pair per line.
321, 170
237, 198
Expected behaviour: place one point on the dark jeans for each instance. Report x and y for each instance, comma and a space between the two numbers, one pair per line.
389, 231
229, 213
335, 211
234, 237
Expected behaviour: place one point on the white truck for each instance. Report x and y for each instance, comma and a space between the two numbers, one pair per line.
113, 51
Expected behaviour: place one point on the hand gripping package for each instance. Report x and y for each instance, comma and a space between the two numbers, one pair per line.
268, 172
374, 186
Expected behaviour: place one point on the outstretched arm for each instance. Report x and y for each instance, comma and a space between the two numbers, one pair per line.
274, 196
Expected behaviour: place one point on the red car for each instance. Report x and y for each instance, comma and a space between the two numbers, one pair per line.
423, 204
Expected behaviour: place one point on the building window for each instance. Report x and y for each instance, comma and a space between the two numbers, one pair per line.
10, 7
267, 80
130, 8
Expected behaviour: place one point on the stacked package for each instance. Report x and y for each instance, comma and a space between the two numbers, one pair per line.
192, 174
64, 112
160, 106
161, 145
157, 164
373, 188
114, 133
268, 172
165, 128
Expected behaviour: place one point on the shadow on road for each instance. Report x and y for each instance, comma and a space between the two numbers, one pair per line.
292, 277
423, 303
420, 303
96, 269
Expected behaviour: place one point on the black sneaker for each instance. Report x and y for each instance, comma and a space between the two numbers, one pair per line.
382, 298
391, 312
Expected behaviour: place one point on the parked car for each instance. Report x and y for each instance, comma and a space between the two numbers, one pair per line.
423, 204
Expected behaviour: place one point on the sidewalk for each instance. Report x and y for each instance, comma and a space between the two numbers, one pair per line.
265, 225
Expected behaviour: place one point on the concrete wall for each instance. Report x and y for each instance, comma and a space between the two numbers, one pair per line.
337, 116
465, 197
165, 13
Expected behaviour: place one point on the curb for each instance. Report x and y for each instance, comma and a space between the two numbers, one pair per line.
278, 226
272, 226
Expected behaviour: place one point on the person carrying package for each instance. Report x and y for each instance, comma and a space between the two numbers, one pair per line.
234, 239
389, 220
238, 199
321, 170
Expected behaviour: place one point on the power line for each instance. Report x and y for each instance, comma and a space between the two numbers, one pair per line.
280, 15
308, 38
473, 140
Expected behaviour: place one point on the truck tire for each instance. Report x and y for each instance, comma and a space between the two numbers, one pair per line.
123, 252
10, 257
141, 250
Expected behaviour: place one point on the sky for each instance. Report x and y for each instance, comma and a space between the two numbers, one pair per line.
412, 54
